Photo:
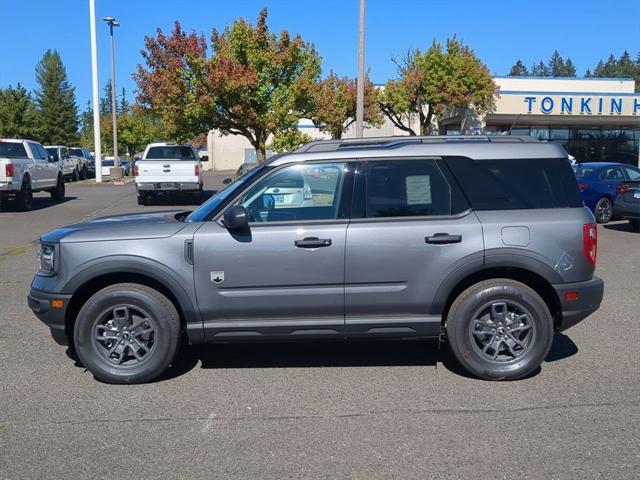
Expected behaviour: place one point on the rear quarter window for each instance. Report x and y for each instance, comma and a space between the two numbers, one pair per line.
12, 150
516, 184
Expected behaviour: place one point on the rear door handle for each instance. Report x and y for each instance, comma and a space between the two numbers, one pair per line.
313, 242
442, 238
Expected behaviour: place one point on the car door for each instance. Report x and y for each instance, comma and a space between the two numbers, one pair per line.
50, 169
36, 169
414, 229
610, 179
285, 276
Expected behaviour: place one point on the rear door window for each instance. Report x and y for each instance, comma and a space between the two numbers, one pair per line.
12, 150
516, 184
407, 188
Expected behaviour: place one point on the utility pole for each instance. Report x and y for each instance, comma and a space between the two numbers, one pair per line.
94, 85
360, 86
112, 22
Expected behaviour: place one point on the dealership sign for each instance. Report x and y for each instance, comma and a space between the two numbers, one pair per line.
581, 104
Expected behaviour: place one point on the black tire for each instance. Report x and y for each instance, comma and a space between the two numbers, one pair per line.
143, 199
58, 193
24, 199
138, 366
604, 210
76, 175
84, 173
635, 223
469, 345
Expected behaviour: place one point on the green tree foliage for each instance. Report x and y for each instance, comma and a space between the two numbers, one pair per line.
254, 84
18, 116
56, 102
86, 127
559, 68
124, 105
519, 69
429, 82
623, 67
289, 141
334, 105
540, 70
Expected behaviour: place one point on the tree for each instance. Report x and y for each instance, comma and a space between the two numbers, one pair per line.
540, 70
570, 68
623, 67
86, 127
56, 101
105, 100
519, 70
334, 105
289, 141
124, 103
18, 116
556, 65
255, 84
432, 81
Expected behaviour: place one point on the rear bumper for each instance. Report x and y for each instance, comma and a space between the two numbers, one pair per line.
589, 297
7, 188
624, 209
40, 304
162, 187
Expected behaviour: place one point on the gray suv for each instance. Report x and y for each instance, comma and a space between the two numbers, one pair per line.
483, 242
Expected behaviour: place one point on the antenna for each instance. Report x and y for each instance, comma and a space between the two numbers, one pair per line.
514, 123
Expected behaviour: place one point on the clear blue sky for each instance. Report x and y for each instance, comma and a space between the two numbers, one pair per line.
499, 31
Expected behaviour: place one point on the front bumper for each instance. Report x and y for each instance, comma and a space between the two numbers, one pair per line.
54, 318
589, 297
174, 187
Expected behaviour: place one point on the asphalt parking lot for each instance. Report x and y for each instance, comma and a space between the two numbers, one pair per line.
391, 410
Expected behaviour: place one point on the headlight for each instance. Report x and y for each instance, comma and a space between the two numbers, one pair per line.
46, 259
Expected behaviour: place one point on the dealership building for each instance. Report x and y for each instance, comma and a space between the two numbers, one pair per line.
595, 119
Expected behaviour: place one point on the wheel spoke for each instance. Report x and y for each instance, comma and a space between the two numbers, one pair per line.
496, 350
122, 352
142, 332
141, 346
517, 342
107, 337
121, 316
520, 328
139, 323
498, 311
489, 343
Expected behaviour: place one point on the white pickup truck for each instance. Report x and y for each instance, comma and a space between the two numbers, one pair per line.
167, 168
26, 167
70, 164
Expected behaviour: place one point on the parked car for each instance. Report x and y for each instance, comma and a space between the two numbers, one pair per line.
26, 167
84, 159
68, 163
167, 168
125, 167
106, 165
627, 203
244, 168
409, 237
599, 181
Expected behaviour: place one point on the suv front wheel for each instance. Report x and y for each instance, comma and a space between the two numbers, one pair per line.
499, 329
127, 333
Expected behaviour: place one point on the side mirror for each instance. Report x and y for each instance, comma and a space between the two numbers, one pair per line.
53, 158
236, 219
227, 181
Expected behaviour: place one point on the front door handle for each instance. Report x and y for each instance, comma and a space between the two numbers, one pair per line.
442, 238
313, 242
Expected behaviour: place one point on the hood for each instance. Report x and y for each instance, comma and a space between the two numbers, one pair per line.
134, 226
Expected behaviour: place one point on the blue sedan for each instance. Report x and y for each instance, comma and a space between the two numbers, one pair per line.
599, 182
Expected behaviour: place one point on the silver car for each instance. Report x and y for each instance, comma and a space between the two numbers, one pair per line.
456, 239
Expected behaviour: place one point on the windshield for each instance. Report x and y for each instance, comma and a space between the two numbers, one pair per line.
12, 150
174, 152
52, 151
204, 211
76, 152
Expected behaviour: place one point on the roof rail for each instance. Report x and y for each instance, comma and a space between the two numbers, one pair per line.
398, 141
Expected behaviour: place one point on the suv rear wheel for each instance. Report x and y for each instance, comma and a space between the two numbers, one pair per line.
127, 333
499, 329
604, 210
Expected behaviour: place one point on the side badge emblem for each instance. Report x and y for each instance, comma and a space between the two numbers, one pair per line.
217, 277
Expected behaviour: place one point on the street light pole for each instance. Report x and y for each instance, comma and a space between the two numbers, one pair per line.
112, 22
360, 85
94, 85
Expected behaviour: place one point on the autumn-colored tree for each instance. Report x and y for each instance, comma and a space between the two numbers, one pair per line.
254, 84
435, 80
334, 105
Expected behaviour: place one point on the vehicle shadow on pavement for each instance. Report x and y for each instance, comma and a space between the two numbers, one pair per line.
181, 199
621, 227
39, 203
399, 353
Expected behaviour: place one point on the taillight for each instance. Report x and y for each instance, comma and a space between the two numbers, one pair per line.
8, 170
582, 186
135, 170
623, 188
196, 170
590, 242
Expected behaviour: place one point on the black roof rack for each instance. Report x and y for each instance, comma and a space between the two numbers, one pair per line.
398, 141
